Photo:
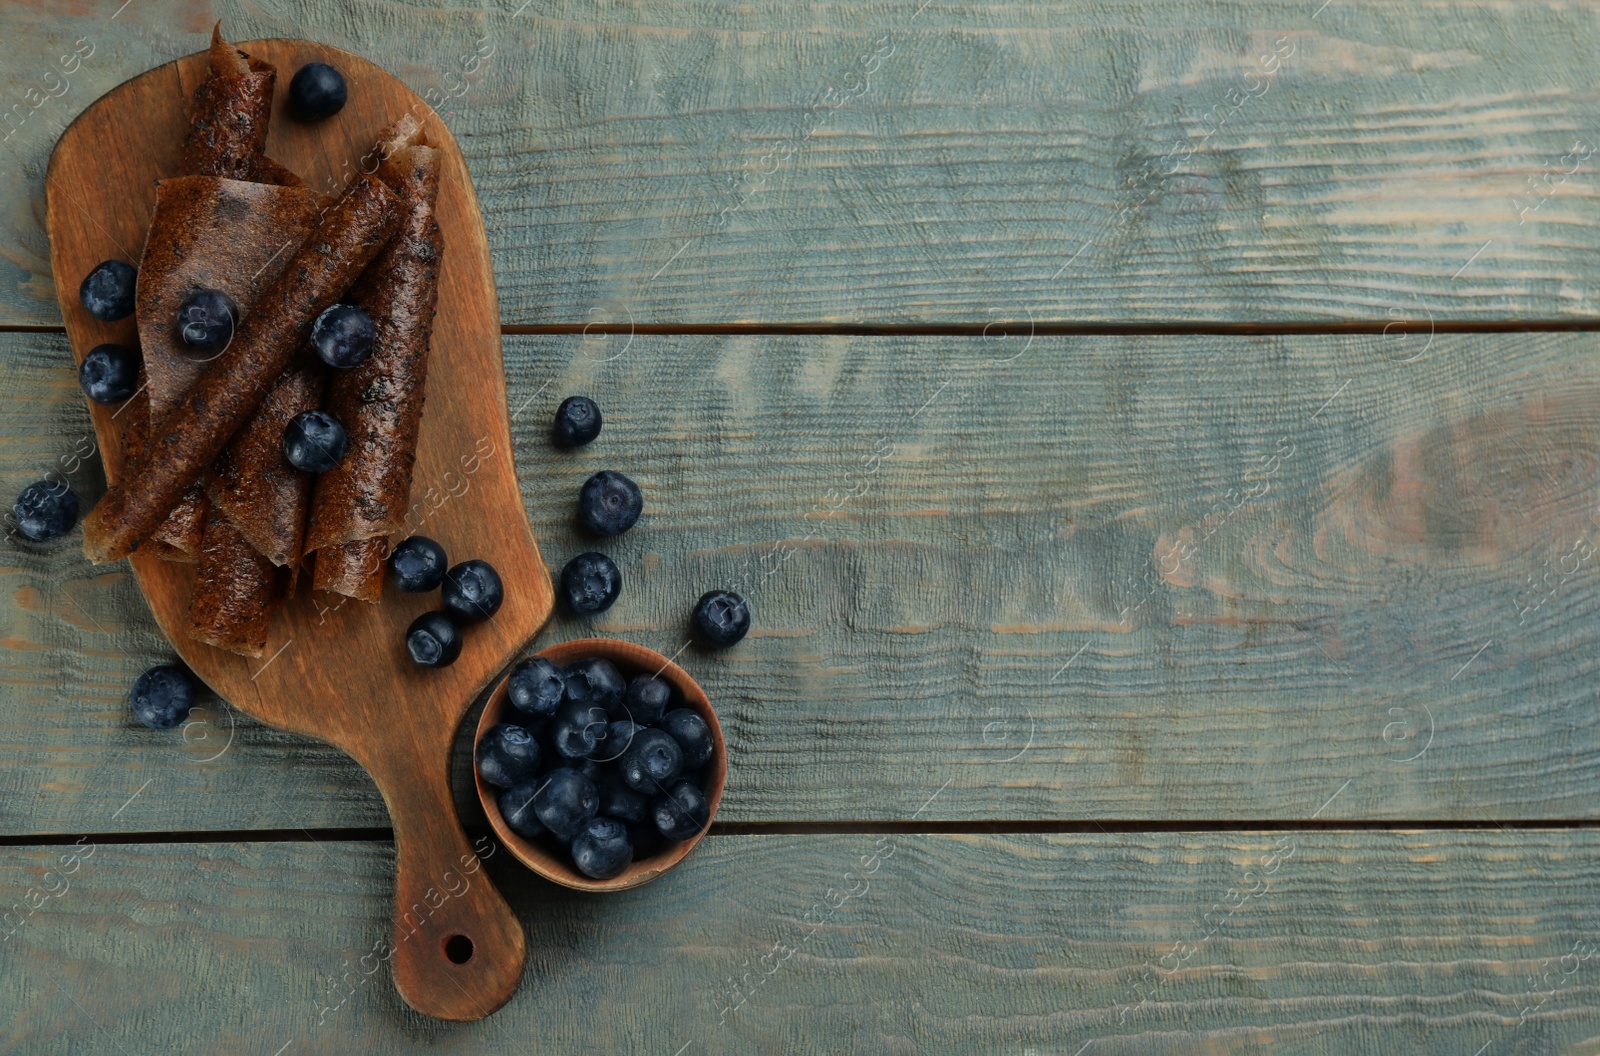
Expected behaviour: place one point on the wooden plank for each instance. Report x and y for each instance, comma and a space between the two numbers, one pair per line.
1151, 578
1075, 163
1430, 943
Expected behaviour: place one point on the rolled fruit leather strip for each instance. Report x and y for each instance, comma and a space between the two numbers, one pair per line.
184, 442
235, 619
229, 117
135, 432
363, 499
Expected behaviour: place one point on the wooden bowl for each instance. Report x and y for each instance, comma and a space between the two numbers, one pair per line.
630, 660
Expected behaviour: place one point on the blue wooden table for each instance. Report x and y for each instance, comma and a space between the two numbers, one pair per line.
1160, 444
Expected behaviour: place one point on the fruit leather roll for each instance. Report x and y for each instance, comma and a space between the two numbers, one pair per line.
209, 230
236, 616
135, 433
185, 441
363, 499
228, 119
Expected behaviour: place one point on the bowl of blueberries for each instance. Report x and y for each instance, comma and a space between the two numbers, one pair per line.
600, 763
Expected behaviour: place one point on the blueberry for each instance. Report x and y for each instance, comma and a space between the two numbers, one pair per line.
472, 590
602, 849
692, 735
594, 681
579, 730
45, 510
163, 696
652, 762
207, 319
516, 809
589, 768
536, 687
681, 812
609, 503
565, 802
590, 583
314, 441
107, 291
647, 839
646, 699
507, 754
617, 800
109, 373
619, 735
317, 91
418, 564
577, 421
342, 336
721, 617
433, 640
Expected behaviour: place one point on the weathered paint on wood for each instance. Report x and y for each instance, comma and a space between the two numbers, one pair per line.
890, 162
1434, 943
1155, 578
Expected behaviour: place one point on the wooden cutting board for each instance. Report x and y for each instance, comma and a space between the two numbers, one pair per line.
339, 672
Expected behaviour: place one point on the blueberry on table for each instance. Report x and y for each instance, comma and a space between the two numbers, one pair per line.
565, 802
107, 291
577, 421
721, 618
207, 319
45, 510
433, 640
579, 730
507, 754
692, 735
314, 441
418, 564
609, 503
163, 696
317, 91
681, 812
652, 762
617, 800
472, 590
646, 699
536, 687
342, 336
516, 809
602, 849
595, 681
109, 373
590, 583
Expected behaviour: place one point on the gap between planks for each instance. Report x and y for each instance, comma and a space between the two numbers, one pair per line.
379, 834
1019, 326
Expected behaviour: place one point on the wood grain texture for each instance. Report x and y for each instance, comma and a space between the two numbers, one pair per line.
336, 671
1429, 943
1405, 616
668, 163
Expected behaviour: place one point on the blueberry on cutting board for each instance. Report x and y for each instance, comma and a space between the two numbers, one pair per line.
317, 91
472, 590
433, 640
109, 373
107, 291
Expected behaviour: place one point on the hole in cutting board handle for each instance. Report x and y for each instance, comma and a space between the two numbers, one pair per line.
458, 948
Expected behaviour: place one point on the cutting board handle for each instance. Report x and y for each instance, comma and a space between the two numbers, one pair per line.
458, 949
